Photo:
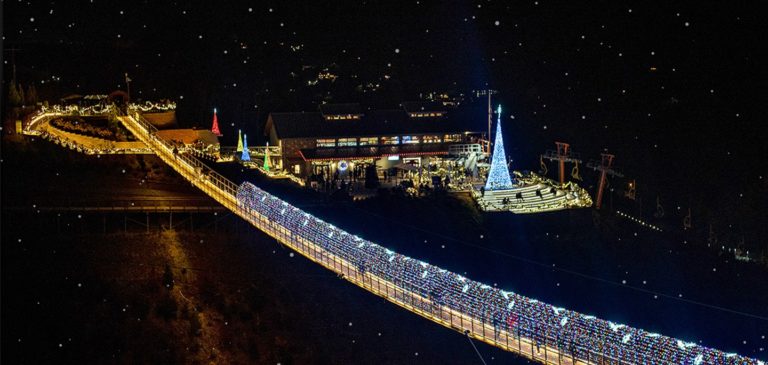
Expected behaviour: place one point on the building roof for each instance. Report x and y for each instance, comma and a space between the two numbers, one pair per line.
189, 136
374, 123
423, 106
341, 153
341, 109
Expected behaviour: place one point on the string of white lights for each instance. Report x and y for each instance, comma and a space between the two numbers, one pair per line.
79, 110
149, 106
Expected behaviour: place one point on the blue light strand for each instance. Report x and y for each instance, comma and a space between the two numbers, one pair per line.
578, 334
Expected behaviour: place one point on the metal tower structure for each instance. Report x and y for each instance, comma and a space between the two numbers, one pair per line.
562, 155
605, 169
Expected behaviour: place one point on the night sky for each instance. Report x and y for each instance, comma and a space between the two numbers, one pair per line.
675, 90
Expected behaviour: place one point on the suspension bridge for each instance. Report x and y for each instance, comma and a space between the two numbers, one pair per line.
532, 329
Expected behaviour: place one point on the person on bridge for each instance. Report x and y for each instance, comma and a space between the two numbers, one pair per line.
511, 320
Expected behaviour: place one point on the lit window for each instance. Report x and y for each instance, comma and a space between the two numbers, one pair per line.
390, 140
410, 139
326, 143
347, 142
452, 138
369, 141
430, 139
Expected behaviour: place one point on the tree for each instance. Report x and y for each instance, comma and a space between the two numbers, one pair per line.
14, 98
21, 95
31, 96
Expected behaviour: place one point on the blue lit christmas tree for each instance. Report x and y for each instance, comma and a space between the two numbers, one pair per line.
245, 156
498, 177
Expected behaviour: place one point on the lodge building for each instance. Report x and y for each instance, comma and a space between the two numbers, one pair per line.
339, 137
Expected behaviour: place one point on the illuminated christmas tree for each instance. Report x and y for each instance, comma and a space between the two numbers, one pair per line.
266, 158
215, 127
498, 177
245, 156
239, 141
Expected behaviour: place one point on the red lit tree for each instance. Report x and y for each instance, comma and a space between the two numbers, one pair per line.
215, 127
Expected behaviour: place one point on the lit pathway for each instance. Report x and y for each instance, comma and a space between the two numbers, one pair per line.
86, 144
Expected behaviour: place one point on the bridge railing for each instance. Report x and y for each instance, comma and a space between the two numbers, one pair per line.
403, 294
148, 133
539, 341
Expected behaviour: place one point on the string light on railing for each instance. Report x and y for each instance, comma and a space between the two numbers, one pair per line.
476, 299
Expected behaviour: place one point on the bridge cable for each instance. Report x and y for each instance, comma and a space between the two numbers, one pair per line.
475, 347
568, 271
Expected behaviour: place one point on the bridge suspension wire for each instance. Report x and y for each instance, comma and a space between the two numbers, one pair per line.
475, 347
570, 271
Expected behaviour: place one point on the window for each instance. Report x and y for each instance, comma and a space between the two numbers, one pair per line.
326, 143
369, 141
430, 139
390, 140
296, 169
452, 138
341, 116
347, 142
410, 139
